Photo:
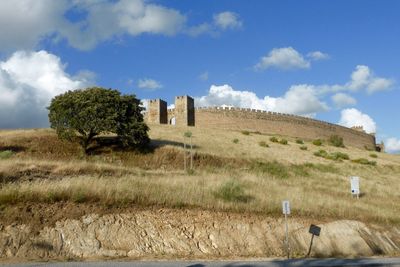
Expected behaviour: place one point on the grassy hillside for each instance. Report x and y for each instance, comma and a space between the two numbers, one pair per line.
243, 172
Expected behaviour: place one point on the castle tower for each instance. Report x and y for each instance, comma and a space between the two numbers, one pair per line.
158, 112
184, 111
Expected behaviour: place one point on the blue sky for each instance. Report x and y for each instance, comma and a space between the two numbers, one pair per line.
332, 60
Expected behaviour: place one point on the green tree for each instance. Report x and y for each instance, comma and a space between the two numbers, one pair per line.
83, 114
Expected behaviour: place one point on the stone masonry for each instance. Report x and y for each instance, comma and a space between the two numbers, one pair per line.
239, 119
157, 112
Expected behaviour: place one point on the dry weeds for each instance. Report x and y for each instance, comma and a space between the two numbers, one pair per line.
317, 188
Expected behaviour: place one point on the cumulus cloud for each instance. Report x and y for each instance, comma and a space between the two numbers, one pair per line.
283, 58
317, 55
24, 23
33, 20
100, 20
28, 81
299, 99
353, 117
343, 100
106, 20
363, 78
149, 84
223, 21
227, 20
392, 145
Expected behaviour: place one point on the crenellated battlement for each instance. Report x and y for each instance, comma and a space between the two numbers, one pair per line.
269, 122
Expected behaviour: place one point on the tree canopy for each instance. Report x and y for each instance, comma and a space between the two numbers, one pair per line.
85, 113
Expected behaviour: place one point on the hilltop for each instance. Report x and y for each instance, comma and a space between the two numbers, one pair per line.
233, 171
58, 203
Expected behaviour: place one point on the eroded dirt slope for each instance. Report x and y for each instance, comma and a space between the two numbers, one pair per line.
169, 233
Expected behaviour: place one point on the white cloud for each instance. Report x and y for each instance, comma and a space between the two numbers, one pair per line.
363, 78
318, 55
204, 76
145, 103
379, 84
221, 22
392, 145
342, 100
283, 58
25, 23
204, 28
106, 20
149, 84
353, 117
299, 99
227, 20
28, 81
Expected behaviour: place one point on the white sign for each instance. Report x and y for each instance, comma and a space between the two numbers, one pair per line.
355, 185
286, 207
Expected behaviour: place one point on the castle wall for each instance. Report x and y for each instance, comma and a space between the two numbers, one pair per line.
157, 112
281, 124
184, 111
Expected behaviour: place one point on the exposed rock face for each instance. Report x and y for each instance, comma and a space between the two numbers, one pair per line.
191, 234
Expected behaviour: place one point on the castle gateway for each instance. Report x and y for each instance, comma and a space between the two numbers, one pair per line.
240, 119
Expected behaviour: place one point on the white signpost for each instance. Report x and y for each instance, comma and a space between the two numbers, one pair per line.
355, 186
286, 211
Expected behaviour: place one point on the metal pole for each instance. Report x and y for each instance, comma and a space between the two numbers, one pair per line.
184, 153
287, 237
309, 249
191, 154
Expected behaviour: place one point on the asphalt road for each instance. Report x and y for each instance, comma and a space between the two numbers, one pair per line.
269, 263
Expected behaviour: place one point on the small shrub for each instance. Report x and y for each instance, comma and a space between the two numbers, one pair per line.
263, 144
303, 147
338, 156
235, 141
299, 141
6, 154
364, 161
317, 142
273, 139
336, 140
246, 132
283, 142
257, 132
373, 155
273, 168
321, 153
79, 197
231, 191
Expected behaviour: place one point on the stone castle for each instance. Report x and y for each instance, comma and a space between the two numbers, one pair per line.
240, 119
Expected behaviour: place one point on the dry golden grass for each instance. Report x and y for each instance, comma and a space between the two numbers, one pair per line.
220, 143
241, 176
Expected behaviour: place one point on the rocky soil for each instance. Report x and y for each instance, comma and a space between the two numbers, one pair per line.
169, 233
